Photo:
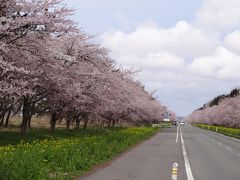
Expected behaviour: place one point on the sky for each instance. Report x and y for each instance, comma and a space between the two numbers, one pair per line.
188, 50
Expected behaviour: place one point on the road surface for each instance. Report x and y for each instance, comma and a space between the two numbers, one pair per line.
200, 154
151, 160
212, 156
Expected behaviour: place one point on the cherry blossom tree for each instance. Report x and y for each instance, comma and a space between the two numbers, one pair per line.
49, 66
225, 113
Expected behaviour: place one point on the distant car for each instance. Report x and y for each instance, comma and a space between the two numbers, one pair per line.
182, 123
174, 123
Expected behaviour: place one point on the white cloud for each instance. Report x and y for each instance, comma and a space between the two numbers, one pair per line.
232, 41
219, 15
153, 61
222, 64
187, 60
183, 40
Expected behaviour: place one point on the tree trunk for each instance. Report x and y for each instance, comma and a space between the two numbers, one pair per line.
121, 123
113, 123
53, 121
26, 114
85, 124
102, 123
29, 121
30, 115
78, 122
1, 107
109, 123
8, 116
68, 122
85, 120
2, 118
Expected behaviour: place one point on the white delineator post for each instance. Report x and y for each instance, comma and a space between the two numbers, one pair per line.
174, 171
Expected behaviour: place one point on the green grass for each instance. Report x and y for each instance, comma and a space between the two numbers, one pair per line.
14, 138
233, 132
41, 155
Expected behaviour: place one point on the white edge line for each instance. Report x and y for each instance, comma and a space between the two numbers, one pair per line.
219, 134
186, 161
177, 134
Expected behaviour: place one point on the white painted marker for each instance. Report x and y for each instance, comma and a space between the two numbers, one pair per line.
174, 171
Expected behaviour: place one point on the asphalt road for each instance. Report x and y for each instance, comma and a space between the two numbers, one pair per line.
211, 156
200, 154
151, 160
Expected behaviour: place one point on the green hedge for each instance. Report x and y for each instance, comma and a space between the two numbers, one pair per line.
66, 157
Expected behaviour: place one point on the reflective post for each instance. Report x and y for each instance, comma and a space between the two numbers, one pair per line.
174, 171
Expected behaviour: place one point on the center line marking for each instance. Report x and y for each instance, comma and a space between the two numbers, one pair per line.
220, 144
186, 161
177, 134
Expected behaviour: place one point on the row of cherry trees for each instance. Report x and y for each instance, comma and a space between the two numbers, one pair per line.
47, 65
223, 110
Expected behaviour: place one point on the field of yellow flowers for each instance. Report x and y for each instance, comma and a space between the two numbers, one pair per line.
56, 157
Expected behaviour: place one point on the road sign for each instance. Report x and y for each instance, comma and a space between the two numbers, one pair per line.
166, 117
166, 120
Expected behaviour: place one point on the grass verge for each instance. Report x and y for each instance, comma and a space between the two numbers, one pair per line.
64, 155
232, 132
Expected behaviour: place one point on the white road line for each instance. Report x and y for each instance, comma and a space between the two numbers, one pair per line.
222, 135
239, 154
177, 135
213, 140
186, 161
220, 144
228, 148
